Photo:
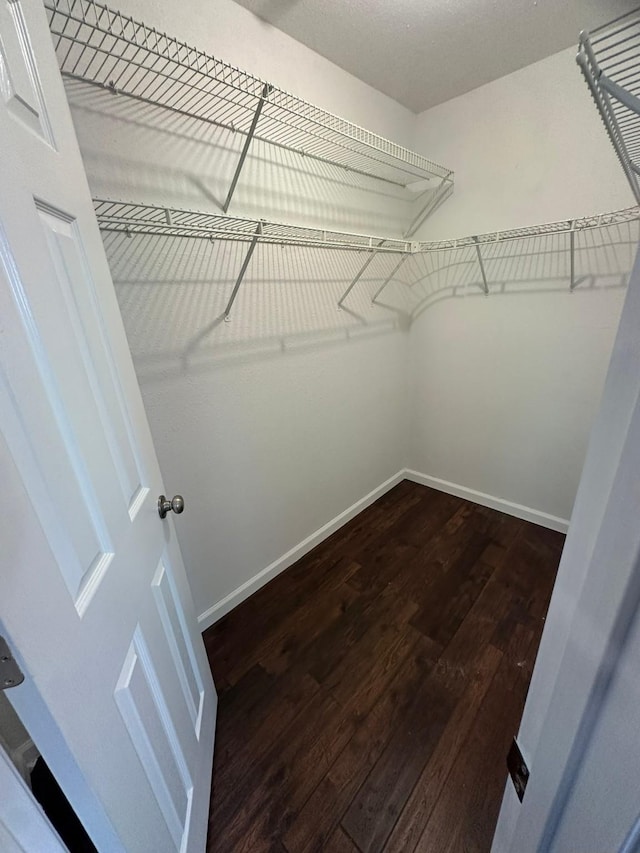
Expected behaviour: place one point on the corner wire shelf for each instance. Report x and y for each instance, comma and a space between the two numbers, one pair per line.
110, 50
129, 219
609, 58
563, 226
570, 227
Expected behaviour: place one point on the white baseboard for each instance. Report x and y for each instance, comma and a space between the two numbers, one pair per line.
218, 610
518, 510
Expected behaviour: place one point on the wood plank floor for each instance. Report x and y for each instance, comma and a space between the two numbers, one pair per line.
369, 694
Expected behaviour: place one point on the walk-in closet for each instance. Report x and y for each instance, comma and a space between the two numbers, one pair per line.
368, 263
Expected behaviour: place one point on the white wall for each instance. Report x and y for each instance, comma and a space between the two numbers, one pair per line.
504, 388
273, 446
526, 148
232, 33
279, 421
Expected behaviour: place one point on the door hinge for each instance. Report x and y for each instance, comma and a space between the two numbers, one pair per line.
10, 673
518, 769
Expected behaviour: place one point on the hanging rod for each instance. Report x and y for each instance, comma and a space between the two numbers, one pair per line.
609, 58
101, 46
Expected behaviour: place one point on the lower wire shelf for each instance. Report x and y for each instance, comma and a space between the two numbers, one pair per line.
130, 218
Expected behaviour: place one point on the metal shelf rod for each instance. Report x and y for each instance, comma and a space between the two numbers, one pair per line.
243, 270
442, 193
572, 249
360, 273
630, 101
485, 286
388, 278
245, 148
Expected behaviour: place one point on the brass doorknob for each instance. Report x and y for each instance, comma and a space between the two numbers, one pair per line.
165, 505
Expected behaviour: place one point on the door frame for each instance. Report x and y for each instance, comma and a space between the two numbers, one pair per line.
22, 821
33, 712
591, 609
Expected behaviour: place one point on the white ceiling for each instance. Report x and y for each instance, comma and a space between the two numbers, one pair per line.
424, 52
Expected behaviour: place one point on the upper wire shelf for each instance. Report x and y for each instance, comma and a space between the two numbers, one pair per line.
106, 48
609, 58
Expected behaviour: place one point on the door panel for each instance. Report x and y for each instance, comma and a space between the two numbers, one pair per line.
19, 80
149, 723
75, 452
176, 632
78, 290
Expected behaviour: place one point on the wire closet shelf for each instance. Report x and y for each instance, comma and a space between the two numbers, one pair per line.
609, 58
103, 47
129, 219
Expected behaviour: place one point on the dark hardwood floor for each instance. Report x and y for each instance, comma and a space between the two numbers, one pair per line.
369, 694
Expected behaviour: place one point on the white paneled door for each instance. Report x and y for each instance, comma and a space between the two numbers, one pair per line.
93, 600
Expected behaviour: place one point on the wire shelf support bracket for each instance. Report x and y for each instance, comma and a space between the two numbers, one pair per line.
485, 286
389, 278
441, 194
245, 148
360, 273
572, 260
241, 274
